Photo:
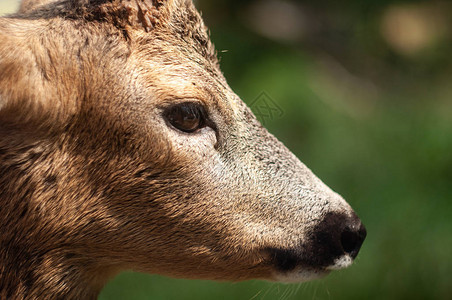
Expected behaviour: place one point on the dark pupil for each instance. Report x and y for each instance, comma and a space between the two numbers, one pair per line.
186, 117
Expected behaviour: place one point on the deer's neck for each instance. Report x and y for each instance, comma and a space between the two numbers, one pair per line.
27, 273
38, 261
41, 255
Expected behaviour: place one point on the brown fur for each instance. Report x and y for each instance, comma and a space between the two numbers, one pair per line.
92, 179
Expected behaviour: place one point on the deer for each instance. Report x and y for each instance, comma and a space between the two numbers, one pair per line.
122, 147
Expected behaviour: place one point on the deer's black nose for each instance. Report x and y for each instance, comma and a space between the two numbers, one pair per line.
352, 237
338, 235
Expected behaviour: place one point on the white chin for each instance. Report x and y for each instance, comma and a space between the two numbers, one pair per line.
302, 275
342, 262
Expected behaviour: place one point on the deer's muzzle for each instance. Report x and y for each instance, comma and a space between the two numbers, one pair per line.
332, 244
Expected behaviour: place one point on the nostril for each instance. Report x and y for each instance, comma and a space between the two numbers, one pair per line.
352, 240
349, 241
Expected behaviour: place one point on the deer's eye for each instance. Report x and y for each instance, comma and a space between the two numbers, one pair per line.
187, 117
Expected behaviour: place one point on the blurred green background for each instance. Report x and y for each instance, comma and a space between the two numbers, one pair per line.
366, 91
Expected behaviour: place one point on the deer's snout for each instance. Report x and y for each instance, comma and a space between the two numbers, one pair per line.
332, 244
337, 240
